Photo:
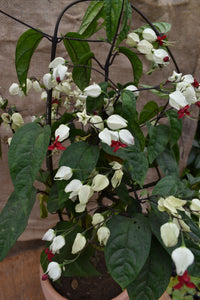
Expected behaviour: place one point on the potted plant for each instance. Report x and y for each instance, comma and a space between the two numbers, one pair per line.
106, 207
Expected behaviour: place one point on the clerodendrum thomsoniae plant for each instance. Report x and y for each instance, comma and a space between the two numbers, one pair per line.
98, 188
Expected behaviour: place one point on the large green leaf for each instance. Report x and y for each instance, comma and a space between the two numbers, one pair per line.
158, 139
123, 253
149, 111
112, 16
167, 186
162, 27
81, 157
14, 219
175, 127
126, 22
194, 269
25, 156
135, 63
167, 163
25, 48
154, 276
89, 24
79, 52
81, 74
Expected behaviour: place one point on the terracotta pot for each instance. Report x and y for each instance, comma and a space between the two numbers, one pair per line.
51, 294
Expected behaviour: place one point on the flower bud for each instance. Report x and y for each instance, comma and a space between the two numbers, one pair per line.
47, 80
144, 47
177, 100
44, 96
63, 132
63, 173
97, 122
79, 243
169, 233
84, 194
97, 219
93, 90
117, 178
103, 234
79, 208
17, 120
126, 137
49, 235
54, 270
133, 88
99, 182
57, 244
132, 39
149, 35
195, 206
116, 122
36, 86
182, 258
14, 89
28, 85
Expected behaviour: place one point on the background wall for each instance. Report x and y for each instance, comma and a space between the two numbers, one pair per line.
184, 17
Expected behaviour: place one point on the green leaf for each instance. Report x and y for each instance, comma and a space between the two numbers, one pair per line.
123, 253
81, 157
113, 10
194, 269
126, 22
81, 75
89, 24
167, 162
167, 186
175, 127
25, 48
158, 139
162, 27
14, 219
154, 276
149, 111
25, 156
129, 112
135, 63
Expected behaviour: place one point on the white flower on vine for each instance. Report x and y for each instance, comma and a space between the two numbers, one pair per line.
149, 35
169, 233
144, 47
79, 243
99, 183
103, 234
115, 122
63, 173
182, 258
57, 61
132, 39
63, 132
49, 235
83, 117
57, 243
54, 270
93, 90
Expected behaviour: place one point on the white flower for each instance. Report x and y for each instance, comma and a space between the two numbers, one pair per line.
126, 137
149, 35
160, 56
49, 235
14, 89
169, 233
59, 72
117, 178
176, 77
36, 86
97, 122
181, 224
57, 243
195, 206
63, 173
188, 91
79, 208
79, 243
188, 78
57, 61
106, 136
103, 234
177, 100
115, 122
83, 117
63, 132
93, 90
73, 187
28, 85
132, 39
54, 270
115, 165
84, 193
17, 120
133, 89
47, 80
171, 204
99, 182
97, 219
182, 258
44, 96
144, 47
